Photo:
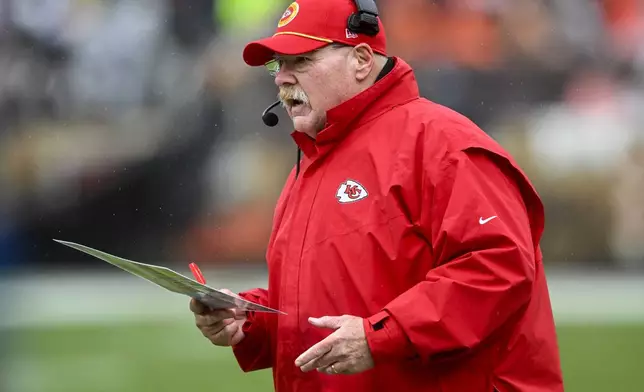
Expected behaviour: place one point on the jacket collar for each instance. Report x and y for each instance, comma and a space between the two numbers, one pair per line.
396, 88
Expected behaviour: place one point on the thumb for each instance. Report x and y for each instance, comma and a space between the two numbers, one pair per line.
239, 314
226, 291
333, 322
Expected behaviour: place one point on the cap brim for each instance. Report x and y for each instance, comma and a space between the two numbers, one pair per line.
262, 51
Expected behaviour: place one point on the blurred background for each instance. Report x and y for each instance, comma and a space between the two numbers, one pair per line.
133, 126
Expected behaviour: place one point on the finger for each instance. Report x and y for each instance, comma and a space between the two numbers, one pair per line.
215, 328
337, 368
332, 322
331, 369
312, 365
212, 333
226, 333
197, 307
337, 354
215, 316
237, 337
204, 323
322, 361
317, 350
239, 314
226, 291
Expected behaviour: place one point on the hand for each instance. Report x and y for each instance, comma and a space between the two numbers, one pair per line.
345, 351
223, 327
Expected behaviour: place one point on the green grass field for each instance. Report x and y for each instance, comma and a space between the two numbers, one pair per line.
175, 357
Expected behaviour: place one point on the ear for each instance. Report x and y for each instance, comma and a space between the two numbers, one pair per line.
365, 61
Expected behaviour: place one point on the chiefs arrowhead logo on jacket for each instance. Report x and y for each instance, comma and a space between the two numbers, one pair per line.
350, 191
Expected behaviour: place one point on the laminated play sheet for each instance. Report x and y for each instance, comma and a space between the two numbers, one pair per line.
175, 282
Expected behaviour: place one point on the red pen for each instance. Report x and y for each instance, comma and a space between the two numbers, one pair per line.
196, 272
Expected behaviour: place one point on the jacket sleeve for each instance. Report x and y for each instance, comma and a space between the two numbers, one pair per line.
473, 214
254, 351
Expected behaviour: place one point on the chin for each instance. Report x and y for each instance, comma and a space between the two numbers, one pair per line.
309, 124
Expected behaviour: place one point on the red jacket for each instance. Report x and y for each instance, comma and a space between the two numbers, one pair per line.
407, 214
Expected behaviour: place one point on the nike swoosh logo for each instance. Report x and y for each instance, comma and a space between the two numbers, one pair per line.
484, 221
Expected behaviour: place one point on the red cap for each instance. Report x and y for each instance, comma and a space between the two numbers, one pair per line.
307, 25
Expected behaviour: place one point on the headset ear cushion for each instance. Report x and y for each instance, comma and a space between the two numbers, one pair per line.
353, 24
363, 24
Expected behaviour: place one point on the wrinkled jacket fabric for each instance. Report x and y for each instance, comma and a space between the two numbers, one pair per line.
434, 242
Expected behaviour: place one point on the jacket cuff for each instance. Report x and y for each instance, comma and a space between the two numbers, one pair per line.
253, 352
386, 338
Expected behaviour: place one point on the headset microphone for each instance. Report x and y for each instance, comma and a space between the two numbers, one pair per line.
270, 118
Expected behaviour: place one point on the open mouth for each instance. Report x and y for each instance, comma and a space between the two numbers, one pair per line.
295, 102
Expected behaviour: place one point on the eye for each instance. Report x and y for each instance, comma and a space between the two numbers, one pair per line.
301, 60
273, 67
296, 63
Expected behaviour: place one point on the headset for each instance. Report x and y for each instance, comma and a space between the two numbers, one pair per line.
365, 21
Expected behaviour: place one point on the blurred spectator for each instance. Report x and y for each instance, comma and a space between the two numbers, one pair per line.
133, 125
627, 228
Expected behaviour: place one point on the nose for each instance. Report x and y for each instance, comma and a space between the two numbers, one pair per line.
284, 77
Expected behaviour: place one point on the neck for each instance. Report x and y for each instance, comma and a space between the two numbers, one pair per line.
375, 74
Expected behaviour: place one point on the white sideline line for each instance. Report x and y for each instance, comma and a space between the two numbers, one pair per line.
49, 300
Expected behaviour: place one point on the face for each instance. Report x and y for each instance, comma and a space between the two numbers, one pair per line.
312, 83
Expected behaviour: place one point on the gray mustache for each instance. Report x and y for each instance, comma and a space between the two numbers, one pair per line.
289, 94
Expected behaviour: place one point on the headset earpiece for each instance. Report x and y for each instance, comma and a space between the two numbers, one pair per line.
365, 21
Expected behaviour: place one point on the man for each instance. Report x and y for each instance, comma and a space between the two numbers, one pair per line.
405, 249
